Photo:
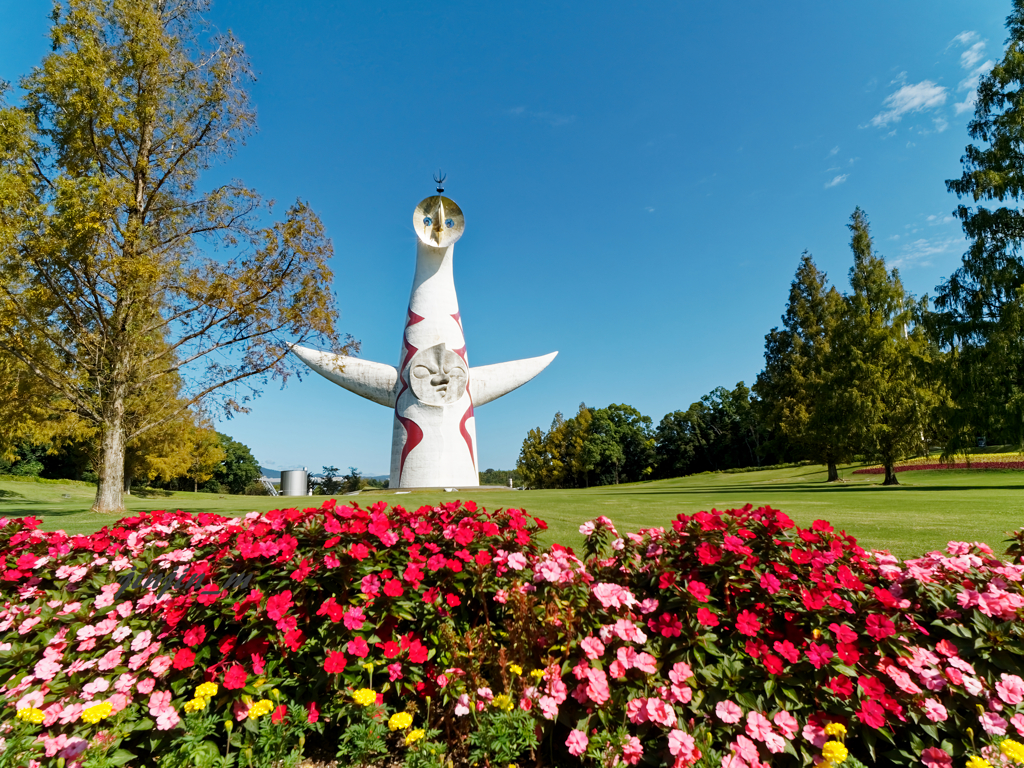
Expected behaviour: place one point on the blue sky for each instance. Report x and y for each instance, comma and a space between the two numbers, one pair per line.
639, 180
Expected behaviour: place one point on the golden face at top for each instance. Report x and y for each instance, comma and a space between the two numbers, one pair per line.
438, 221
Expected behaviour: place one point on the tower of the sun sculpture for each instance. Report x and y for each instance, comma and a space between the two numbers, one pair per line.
433, 390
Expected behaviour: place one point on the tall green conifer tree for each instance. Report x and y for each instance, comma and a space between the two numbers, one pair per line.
797, 390
980, 318
889, 397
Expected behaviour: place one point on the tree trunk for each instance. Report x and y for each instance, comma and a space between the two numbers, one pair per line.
112, 448
196, 485
890, 475
127, 484
833, 472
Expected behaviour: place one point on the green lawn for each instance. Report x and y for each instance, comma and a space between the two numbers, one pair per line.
927, 510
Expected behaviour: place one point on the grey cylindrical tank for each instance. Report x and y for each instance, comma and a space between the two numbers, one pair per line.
293, 482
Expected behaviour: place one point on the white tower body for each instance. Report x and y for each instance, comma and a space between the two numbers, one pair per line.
433, 390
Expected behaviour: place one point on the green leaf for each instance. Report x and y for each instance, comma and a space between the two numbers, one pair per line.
769, 687
121, 756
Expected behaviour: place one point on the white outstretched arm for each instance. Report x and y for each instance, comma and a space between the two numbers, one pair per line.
374, 381
489, 382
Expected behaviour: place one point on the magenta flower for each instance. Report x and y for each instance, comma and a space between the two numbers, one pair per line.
933, 757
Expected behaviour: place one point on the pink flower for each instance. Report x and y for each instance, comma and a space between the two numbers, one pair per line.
745, 748
98, 685
636, 711
548, 707
597, 687
661, 712
111, 659
680, 673
632, 751
935, 711
142, 640
1018, 723
147, 685
593, 647
160, 664
728, 711
159, 703
46, 669
786, 723
758, 726
1010, 689
993, 723
680, 743
517, 561
933, 757
613, 595
774, 742
462, 705
577, 743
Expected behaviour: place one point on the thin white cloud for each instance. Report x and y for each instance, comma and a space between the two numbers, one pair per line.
649, 209
970, 58
833, 151
837, 180
919, 253
910, 98
973, 62
553, 119
940, 124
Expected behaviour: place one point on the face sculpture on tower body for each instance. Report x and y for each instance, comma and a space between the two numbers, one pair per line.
438, 376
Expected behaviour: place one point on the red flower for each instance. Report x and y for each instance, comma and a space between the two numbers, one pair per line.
314, 713
885, 597
335, 663
773, 664
417, 652
841, 686
872, 687
390, 648
843, 633
788, 650
483, 557
848, 653
359, 551
708, 554
452, 600
707, 617
880, 627
302, 571
871, 714
747, 623
331, 608
294, 639
667, 625
699, 590
235, 678
278, 605
195, 635
393, 588
279, 713
184, 658
358, 647
666, 579
770, 583
848, 579
819, 655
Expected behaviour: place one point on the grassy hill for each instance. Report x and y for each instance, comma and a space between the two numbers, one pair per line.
928, 509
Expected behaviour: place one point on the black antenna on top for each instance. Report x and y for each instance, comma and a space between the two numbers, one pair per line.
439, 180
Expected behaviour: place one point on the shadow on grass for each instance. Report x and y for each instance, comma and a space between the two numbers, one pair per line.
10, 494
151, 493
788, 488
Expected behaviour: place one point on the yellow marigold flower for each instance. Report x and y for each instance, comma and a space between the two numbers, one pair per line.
1013, 750
368, 666
97, 712
365, 697
31, 715
207, 691
260, 708
515, 669
196, 704
834, 752
399, 721
502, 702
414, 736
537, 673
816, 633
835, 729
978, 762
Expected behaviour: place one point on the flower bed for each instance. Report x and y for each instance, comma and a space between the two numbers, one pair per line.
734, 638
981, 461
